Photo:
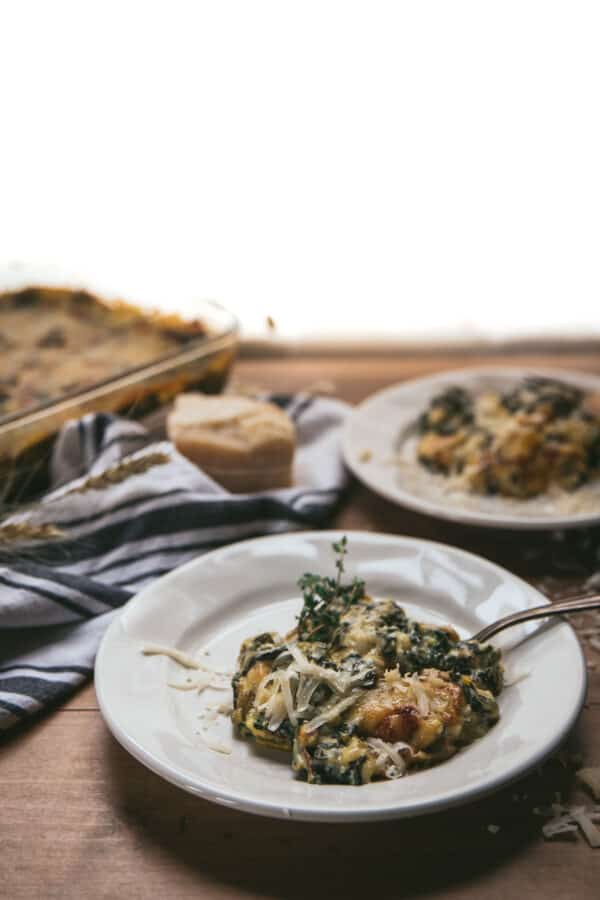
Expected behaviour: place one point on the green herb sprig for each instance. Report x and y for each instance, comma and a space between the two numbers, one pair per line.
326, 598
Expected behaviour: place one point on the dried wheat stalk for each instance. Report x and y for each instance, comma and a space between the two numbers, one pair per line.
120, 472
26, 531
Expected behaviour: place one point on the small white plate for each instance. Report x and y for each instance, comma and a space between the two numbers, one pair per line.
379, 445
227, 595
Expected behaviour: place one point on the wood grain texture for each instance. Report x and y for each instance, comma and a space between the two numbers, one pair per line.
82, 819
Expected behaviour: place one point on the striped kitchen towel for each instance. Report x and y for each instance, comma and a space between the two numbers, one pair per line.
58, 596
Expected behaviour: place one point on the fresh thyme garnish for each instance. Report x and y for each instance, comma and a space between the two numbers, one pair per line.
326, 598
341, 548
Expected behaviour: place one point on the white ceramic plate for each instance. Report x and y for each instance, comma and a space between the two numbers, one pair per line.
379, 446
229, 594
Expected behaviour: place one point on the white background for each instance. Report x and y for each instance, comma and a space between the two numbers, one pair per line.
405, 168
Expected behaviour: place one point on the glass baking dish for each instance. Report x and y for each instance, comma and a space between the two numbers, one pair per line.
204, 363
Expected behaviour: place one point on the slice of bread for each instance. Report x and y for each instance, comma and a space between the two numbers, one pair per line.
246, 445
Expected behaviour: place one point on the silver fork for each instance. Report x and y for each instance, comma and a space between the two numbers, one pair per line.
579, 604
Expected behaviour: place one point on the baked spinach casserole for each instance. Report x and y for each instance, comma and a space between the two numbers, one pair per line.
541, 436
358, 692
57, 341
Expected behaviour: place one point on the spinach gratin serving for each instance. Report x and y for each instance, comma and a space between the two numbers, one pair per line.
358, 692
541, 437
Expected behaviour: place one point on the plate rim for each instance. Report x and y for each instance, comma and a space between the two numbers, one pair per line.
231, 799
457, 514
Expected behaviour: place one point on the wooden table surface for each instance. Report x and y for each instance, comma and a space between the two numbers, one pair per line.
82, 819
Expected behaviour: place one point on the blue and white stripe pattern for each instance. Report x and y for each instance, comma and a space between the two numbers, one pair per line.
57, 600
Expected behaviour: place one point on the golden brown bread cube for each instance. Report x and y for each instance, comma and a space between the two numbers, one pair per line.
244, 444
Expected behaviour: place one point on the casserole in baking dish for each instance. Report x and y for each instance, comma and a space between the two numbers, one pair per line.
66, 352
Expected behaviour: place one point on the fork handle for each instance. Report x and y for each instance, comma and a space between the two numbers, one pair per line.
579, 604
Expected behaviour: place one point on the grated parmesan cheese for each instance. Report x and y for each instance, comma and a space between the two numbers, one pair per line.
584, 820
274, 708
178, 656
199, 684
287, 697
295, 686
390, 753
567, 820
307, 685
421, 696
209, 714
214, 745
339, 681
208, 678
562, 825
512, 678
332, 712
